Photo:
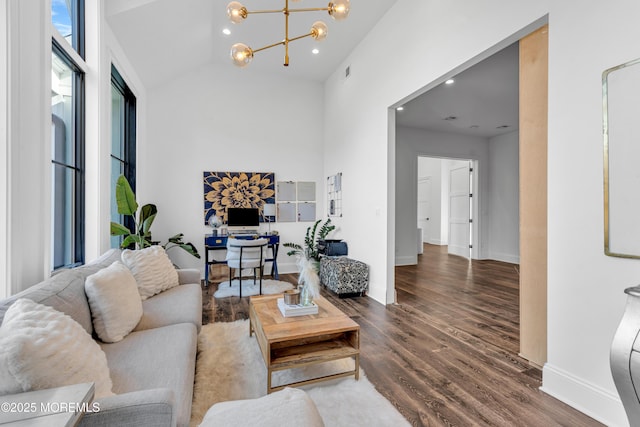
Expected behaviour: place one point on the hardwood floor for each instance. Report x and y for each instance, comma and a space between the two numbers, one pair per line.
446, 354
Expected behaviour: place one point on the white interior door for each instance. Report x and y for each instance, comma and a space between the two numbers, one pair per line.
424, 206
459, 210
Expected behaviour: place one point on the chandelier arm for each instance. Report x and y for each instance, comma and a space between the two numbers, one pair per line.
312, 9
268, 47
265, 11
301, 37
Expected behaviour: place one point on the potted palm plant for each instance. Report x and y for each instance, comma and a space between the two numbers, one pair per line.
140, 236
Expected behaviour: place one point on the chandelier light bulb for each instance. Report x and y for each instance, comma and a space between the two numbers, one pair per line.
339, 9
319, 30
241, 55
236, 12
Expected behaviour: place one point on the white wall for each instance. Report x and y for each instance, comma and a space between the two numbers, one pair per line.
29, 121
411, 143
585, 288
504, 209
5, 288
216, 118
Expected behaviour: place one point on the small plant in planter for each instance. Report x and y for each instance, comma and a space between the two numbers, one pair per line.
309, 259
310, 249
140, 237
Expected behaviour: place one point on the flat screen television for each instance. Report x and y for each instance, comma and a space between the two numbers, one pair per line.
243, 219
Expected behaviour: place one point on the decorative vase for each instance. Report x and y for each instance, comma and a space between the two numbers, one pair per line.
306, 295
309, 280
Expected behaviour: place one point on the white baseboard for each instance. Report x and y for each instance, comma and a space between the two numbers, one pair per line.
284, 267
407, 260
596, 402
510, 258
436, 242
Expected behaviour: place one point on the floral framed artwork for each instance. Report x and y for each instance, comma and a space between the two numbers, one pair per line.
224, 190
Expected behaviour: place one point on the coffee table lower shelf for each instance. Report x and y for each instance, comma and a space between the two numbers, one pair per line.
312, 354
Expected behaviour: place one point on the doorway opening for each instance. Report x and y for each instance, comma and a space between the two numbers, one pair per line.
449, 135
446, 208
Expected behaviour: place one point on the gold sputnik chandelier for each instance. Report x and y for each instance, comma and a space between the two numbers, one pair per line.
241, 54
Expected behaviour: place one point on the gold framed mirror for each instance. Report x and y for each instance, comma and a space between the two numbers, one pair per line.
621, 130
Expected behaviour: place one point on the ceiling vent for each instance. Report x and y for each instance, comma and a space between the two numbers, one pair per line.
450, 118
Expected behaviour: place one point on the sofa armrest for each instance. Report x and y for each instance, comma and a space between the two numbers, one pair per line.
155, 407
188, 275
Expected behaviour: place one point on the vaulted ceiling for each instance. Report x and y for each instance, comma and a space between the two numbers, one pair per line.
163, 38
166, 38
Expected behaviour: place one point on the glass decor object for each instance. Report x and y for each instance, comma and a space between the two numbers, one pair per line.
242, 54
339, 9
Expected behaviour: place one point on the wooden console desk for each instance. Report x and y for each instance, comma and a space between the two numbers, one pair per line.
217, 243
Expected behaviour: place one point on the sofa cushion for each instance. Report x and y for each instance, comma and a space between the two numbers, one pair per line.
289, 407
156, 358
43, 348
181, 304
115, 303
152, 268
64, 291
104, 260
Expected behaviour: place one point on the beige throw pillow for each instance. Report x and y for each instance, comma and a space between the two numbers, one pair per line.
152, 268
43, 348
115, 303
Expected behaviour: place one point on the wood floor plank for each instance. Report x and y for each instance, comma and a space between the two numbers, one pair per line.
447, 353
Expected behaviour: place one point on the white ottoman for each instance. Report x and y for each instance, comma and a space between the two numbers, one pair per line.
290, 407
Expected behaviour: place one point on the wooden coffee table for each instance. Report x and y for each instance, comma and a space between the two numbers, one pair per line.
292, 342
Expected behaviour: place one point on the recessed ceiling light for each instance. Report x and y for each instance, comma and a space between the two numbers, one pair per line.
315, 51
449, 82
226, 31
400, 108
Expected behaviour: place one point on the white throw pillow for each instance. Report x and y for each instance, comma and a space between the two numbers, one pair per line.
115, 303
44, 348
152, 268
289, 407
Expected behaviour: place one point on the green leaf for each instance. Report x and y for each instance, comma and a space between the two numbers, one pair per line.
125, 198
119, 229
177, 239
145, 226
130, 240
191, 249
147, 215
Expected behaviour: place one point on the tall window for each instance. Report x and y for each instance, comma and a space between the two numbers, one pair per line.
123, 143
67, 134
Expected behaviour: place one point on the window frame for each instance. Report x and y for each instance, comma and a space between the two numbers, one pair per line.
130, 137
79, 138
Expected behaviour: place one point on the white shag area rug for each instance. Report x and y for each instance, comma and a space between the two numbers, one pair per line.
230, 367
269, 287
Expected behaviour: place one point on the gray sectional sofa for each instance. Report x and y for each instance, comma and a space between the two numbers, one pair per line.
152, 369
